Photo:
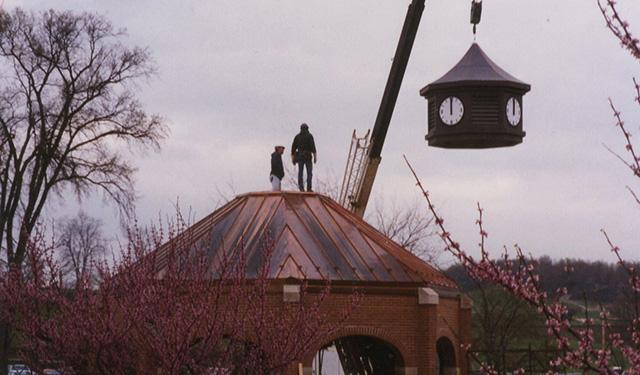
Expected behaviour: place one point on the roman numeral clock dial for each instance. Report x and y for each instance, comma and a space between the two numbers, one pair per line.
451, 110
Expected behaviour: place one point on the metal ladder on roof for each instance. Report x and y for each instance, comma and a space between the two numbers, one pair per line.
354, 170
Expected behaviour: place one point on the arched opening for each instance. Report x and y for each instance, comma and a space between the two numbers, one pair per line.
446, 360
357, 355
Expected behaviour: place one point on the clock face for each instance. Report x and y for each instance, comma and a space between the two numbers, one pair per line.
514, 112
451, 110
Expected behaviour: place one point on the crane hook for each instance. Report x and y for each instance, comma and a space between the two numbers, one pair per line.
476, 13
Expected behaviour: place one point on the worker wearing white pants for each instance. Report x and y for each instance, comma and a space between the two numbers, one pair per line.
276, 183
277, 169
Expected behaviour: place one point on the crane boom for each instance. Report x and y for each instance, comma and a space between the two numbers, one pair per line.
389, 98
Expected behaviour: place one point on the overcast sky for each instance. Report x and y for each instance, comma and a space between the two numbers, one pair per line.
236, 77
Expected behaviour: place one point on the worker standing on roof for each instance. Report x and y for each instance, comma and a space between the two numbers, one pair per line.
277, 169
302, 151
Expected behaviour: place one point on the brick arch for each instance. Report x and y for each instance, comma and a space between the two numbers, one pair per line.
450, 342
375, 332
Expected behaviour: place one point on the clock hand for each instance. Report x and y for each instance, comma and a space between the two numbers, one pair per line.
450, 107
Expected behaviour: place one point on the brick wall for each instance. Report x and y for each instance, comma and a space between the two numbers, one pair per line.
393, 314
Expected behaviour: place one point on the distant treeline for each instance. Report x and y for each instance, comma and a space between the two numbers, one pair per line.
596, 281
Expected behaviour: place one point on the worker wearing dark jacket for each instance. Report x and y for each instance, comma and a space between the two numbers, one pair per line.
303, 151
277, 169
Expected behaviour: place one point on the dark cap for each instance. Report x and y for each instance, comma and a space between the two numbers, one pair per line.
304, 126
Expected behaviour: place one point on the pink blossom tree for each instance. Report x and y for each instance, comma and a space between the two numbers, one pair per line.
162, 309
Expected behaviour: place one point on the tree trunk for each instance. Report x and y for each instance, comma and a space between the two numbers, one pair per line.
5, 347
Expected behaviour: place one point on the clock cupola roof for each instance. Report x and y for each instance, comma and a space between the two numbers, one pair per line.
476, 69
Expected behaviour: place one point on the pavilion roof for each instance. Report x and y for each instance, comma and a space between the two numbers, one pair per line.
310, 236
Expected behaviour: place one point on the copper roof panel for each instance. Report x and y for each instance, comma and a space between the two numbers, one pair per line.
271, 235
216, 235
393, 266
343, 245
371, 258
316, 230
312, 248
321, 227
256, 235
290, 269
287, 240
234, 237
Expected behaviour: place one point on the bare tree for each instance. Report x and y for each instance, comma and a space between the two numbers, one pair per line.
501, 322
225, 193
66, 103
409, 226
66, 99
81, 245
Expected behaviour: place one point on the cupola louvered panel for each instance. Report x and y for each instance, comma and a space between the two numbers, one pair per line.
432, 113
485, 110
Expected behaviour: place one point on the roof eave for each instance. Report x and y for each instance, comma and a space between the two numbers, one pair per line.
517, 85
